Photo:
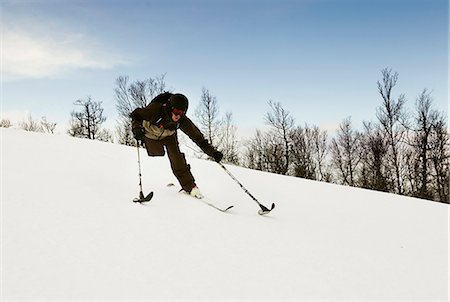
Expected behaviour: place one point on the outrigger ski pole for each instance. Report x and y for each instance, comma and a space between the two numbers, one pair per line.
264, 210
141, 198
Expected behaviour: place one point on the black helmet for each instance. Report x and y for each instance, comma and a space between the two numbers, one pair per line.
179, 101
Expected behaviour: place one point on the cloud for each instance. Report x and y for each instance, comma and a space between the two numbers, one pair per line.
31, 54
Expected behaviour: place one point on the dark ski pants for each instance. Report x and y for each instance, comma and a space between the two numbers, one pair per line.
180, 168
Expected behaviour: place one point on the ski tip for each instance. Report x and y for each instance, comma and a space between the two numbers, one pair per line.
230, 207
149, 196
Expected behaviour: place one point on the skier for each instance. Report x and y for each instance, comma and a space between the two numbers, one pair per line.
156, 126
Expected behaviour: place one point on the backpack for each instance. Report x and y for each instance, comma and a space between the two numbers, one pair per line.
160, 121
162, 98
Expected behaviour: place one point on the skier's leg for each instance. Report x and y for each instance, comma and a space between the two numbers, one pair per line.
180, 168
154, 147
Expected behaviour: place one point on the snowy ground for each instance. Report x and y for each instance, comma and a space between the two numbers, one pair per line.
70, 232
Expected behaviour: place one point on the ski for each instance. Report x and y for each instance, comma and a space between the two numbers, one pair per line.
211, 204
142, 198
204, 200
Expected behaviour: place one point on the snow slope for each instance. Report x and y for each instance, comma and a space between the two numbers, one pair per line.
70, 232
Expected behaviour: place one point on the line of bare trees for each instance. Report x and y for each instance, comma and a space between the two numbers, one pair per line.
401, 152
31, 124
84, 123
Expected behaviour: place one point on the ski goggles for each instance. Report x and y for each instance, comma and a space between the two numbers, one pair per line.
178, 112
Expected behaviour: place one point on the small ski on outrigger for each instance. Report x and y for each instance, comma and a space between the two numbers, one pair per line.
142, 198
204, 199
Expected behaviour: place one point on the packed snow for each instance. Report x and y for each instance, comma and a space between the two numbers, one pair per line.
70, 231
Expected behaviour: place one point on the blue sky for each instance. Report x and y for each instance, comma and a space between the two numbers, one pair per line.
321, 59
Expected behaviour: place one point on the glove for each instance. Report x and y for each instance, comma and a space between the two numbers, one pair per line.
217, 155
139, 133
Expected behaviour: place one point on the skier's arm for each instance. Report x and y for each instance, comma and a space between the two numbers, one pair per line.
188, 127
148, 113
138, 115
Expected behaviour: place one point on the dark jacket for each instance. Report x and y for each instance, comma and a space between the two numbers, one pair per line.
158, 124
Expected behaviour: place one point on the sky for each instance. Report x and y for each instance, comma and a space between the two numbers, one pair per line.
320, 59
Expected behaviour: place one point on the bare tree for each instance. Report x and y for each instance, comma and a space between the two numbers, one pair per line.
221, 133
440, 155
124, 103
302, 152
392, 118
207, 113
282, 123
5, 123
265, 152
130, 96
124, 133
424, 121
429, 150
254, 152
229, 145
47, 126
346, 152
87, 122
31, 125
320, 144
373, 170
37, 126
